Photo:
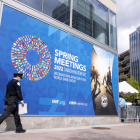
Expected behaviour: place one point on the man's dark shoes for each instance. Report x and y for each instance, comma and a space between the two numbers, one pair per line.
20, 131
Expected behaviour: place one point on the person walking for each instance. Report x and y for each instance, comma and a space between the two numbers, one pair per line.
122, 105
109, 77
136, 103
13, 94
93, 73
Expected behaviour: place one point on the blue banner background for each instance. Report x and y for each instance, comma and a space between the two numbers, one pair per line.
39, 94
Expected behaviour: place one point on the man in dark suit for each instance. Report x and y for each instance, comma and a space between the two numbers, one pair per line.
93, 73
13, 94
109, 77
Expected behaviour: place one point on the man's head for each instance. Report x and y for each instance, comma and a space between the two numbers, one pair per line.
136, 100
109, 68
93, 67
120, 96
18, 76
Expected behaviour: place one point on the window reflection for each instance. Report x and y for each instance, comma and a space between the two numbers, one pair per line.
82, 16
113, 33
100, 22
89, 17
58, 9
36, 4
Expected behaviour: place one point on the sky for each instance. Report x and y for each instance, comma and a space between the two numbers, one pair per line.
128, 20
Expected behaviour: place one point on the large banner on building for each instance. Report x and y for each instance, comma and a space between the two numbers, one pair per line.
62, 74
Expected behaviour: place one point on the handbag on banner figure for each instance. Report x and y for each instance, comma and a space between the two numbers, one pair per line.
13, 94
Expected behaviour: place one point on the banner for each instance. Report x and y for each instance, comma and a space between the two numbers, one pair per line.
62, 74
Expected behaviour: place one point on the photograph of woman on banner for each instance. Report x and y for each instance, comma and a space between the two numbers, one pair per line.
101, 82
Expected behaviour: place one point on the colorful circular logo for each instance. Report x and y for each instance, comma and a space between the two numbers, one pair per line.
24, 45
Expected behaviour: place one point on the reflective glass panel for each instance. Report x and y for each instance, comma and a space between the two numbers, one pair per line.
113, 33
36, 4
82, 16
100, 22
58, 9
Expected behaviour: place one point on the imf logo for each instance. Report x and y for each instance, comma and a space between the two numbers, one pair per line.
58, 102
104, 101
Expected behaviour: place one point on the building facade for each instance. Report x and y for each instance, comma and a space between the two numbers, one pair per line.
124, 63
67, 52
134, 39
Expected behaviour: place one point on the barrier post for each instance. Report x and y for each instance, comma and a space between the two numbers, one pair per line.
126, 113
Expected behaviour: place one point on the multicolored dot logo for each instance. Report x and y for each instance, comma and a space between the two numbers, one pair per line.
19, 51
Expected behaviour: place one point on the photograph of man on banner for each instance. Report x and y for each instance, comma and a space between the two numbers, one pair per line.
101, 82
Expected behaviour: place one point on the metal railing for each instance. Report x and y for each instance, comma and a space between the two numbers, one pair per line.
129, 112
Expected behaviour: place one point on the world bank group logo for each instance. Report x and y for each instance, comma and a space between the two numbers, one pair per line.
30, 56
104, 101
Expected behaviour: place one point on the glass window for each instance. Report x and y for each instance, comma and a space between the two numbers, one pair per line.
58, 9
134, 36
137, 41
113, 33
100, 22
82, 16
36, 4
139, 35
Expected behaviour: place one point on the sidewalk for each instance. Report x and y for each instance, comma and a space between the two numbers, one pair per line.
122, 131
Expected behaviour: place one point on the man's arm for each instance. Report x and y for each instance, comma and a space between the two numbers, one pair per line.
6, 98
18, 91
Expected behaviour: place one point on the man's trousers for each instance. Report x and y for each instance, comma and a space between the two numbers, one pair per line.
12, 108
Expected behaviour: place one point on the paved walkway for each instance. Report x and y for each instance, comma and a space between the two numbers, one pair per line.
122, 131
